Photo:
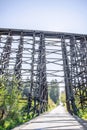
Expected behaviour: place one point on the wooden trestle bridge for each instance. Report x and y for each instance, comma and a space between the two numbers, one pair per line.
35, 57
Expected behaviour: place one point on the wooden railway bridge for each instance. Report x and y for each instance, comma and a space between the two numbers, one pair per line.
35, 57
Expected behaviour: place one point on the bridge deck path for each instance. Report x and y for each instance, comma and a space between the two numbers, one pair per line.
57, 119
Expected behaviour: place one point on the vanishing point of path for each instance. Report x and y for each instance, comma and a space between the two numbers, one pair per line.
57, 119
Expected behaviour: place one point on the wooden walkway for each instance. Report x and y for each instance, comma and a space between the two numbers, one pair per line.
57, 119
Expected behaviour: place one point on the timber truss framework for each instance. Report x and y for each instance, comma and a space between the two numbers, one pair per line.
35, 57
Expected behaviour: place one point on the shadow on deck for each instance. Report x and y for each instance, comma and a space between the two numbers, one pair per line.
58, 119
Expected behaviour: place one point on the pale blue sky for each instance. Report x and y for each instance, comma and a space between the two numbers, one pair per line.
50, 15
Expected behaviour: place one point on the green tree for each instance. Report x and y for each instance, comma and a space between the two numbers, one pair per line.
63, 97
54, 91
3, 93
9, 96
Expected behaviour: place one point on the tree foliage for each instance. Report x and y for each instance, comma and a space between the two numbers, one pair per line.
54, 91
63, 97
9, 103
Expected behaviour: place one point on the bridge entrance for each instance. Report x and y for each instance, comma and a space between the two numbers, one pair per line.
36, 57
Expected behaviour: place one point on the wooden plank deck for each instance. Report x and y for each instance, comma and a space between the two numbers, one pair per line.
57, 119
